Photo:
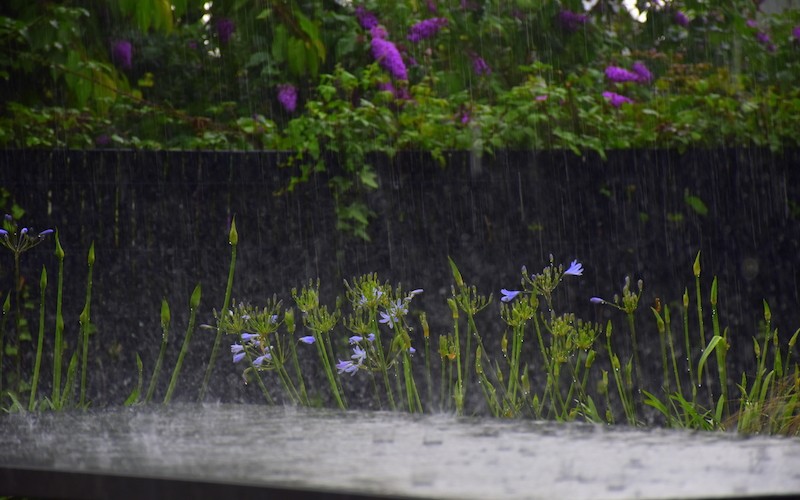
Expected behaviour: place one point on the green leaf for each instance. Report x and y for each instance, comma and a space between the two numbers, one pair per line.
134, 396
696, 204
716, 339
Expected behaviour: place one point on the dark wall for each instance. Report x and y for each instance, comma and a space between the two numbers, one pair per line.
160, 222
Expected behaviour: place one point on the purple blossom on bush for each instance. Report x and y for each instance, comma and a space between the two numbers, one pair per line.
621, 75
122, 54
796, 33
426, 29
287, 96
681, 19
479, 66
225, 28
751, 23
431, 6
387, 55
571, 21
378, 32
644, 75
617, 100
366, 19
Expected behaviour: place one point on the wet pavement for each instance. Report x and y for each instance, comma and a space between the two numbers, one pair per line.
249, 451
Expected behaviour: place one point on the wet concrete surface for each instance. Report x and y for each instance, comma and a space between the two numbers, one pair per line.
250, 451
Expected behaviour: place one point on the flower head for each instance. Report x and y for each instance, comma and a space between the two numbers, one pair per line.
617, 100
620, 75
426, 29
508, 295
681, 19
597, 300
796, 33
308, 339
479, 66
122, 54
225, 28
366, 19
359, 355
387, 55
643, 74
571, 21
287, 96
347, 367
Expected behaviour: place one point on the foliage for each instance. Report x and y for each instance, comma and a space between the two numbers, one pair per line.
492, 75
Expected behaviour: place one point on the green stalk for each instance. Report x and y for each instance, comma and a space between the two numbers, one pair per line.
233, 239
676, 372
59, 337
326, 364
373, 321
459, 389
6, 308
40, 343
165, 320
288, 319
689, 361
699, 300
426, 336
661, 326
85, 319
721, 350
194, 303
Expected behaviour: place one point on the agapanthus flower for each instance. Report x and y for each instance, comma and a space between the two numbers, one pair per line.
644, 75
347, 367
261, 359
238, 352
681, 19
597, 300
426, 29
571, 21
287, 96
387, 55
225, 28
366, 19
359, 355
508, 295
620, 75
617, 100
575, 269
308, 339
250, 337
479, 66
122, 54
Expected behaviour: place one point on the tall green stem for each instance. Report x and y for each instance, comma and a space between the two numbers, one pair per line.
85, 320
194, 303
59, 334
233, 239
165, 320
40, 343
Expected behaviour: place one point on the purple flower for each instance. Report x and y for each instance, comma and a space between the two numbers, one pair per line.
796, 33
366, 19
541, 98
465, 117
575, 269
508, 295
122, 54
378, 32
643, 74
347, 367
597, 300
426, 29
359, 355
225, 28
287, 96
260, 360
764, 40
617, 100
102, 140
308, 339
44, 233
681, 19
431, 6
387, 55
751, 23
250, 337
571, 21
4, 233
238, 352
621, 75
479, 66
387, 319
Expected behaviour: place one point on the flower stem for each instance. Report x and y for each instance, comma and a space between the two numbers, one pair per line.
39, 344
194, 302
